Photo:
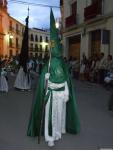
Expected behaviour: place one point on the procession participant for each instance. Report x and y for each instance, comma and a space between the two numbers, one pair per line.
55, 108
3, 80
22, 81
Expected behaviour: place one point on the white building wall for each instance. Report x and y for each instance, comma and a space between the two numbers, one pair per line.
81, 4
109, 26
39, 33
84, 47
65, 47
107, 6
80, 11
15, 34
105, 23
66, 10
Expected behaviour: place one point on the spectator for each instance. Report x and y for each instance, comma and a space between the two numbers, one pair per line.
82, 67
101, 66
109, 63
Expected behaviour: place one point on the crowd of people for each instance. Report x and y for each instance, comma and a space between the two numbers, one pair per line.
97, 69
94, 69
10, 66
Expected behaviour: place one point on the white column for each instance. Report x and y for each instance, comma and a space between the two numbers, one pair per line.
65, 47
84, 47
104, 47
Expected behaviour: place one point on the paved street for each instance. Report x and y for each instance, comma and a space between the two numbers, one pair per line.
96, 120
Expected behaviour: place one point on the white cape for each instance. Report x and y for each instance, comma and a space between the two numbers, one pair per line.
22, 81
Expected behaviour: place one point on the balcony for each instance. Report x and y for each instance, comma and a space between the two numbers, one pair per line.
11, 45
93, 10
11, 28
70, 21
32, 49
18, 32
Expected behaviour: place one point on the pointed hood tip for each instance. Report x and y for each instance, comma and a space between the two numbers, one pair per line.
56, 50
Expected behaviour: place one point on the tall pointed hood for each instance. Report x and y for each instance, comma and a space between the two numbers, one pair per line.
24, 49
56, 49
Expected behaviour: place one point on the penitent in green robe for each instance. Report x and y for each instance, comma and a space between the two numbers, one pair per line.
58, 74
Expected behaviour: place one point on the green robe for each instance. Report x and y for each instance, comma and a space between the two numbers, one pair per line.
58, 74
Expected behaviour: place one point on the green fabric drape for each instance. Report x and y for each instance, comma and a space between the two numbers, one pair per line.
58, 74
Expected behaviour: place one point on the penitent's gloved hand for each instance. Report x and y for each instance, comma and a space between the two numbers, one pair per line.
47, 76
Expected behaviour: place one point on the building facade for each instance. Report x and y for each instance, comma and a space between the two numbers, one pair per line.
39, 42
14, 37
11, 35
87, 27
11, 32
3, 27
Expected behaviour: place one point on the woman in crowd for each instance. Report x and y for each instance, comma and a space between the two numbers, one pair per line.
3, 80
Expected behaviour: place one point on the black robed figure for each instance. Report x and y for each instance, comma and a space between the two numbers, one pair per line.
22, 81
25, 48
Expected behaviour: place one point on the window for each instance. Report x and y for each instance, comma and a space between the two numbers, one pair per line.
40, 38
31, 46
10, 25
96, 35
46, 39
10, 42
16, 42
36, 47
17, 28
36, 55
36, 38
46, 48
10, 52
105, 36
40, 47
32, 38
